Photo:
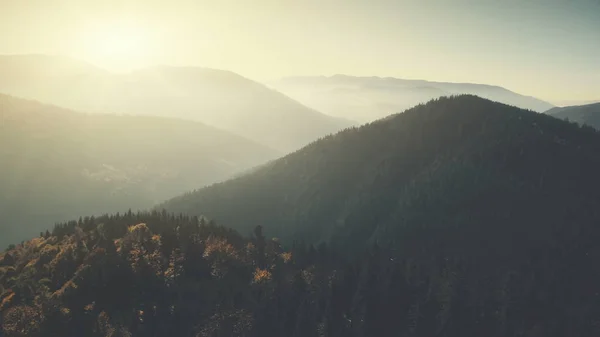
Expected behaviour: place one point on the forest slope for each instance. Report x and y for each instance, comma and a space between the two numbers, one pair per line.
58, 164
486, 218
471, 174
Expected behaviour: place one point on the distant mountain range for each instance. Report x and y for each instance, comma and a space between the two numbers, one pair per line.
566, 103
365, 99
583, 114
216, 97
58, 164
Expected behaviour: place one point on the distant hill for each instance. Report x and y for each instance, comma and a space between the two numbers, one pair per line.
58, 164
366, 99
566, 103
466, 172
583, 114
216, 97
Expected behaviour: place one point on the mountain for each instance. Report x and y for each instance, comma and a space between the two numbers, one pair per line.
454, 168
58, 164
483, 221
583, 114
215, 97
494, 212
366, 99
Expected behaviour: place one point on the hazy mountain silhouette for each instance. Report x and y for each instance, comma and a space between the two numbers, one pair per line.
54, 79
465, 172
588, 114
567, 103
58, 164
215, 97
369, 98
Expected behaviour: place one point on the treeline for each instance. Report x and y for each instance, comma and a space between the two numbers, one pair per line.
157, 274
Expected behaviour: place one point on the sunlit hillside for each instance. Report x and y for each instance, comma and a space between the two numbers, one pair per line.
59, 164
218, 98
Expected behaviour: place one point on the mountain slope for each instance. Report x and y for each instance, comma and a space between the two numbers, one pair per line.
58, 164
588, 114
215, 97
478, 236
460, 167
368, 98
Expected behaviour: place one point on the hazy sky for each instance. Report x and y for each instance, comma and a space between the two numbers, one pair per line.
545, 48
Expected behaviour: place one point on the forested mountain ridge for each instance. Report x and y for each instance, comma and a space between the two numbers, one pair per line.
472, 234
366, 99
59, 164
452, 167
218, 98
588, 114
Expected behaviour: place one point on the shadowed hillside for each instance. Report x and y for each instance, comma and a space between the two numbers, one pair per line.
496, 209
156, 274
468, 173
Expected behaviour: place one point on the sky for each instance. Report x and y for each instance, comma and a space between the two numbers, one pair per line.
544, 48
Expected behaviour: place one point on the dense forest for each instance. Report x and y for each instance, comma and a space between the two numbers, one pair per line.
157, 274
460, 217
59, 164
588, 114
464, 172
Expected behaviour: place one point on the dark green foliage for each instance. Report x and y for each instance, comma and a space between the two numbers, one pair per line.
57, 164
80, 281
494, 211
467, 173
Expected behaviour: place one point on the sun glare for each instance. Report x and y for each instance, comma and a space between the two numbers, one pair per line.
119, 44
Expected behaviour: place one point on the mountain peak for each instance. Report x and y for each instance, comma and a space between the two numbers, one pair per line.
452, 152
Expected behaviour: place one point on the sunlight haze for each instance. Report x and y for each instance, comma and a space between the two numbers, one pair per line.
491, 42
299, 168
